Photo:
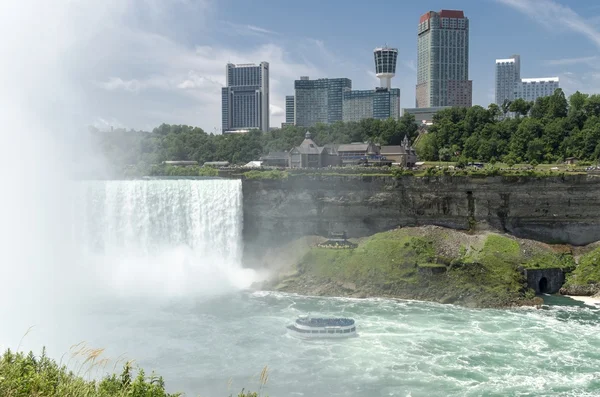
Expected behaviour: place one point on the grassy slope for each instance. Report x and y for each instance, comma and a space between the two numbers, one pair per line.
587, 271
482, 270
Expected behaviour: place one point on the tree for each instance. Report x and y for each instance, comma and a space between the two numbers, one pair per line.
520, 107
558, 106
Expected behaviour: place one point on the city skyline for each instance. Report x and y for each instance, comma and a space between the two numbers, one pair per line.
510, 85
169, 63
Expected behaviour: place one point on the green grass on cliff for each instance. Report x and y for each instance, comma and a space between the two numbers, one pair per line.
383, 259
484, 266
587, 271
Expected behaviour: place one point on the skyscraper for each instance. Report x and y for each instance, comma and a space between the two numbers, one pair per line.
245, 98
319, 101
443, 60
289, 109
510, 85
508, 74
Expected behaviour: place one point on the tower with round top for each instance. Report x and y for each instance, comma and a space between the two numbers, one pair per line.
385, 65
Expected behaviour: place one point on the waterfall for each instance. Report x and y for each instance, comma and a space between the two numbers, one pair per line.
161, 237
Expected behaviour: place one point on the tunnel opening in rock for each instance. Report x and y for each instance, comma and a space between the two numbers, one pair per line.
543, 285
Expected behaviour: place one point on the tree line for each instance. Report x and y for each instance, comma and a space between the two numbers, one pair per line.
135, 152
548, 130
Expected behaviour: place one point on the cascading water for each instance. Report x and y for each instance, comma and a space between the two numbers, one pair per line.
163, 238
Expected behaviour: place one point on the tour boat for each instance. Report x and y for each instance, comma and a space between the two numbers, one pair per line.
316, 327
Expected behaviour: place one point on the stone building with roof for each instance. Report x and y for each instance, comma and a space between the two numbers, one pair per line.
276, 159
311, 155
357, 152
403, 155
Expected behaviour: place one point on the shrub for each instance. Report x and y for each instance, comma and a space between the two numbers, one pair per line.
23, 375
273, 174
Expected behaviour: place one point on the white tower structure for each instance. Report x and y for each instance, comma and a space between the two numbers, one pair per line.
385, 65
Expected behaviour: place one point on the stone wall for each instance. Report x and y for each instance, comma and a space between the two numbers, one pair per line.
550, 209
545, 281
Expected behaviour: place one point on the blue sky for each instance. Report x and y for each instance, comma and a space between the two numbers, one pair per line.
138, 63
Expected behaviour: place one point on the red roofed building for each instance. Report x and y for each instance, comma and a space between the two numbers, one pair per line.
443, 60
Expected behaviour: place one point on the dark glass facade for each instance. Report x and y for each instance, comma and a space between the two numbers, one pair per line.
289, 109
371, 104
319, 101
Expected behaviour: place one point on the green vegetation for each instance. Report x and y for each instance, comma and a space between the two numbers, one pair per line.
24, 375
170, 170
132, 153
547, 131
481, 270
384, 259
587, 271
27, 375
271, 174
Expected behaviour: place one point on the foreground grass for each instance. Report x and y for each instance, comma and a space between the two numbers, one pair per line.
481, 270
25, 375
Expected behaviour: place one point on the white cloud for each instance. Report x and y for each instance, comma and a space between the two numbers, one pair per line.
557, 17
260, 30
410, 64
245, 30
552, 15
276, 110
591, 61
142, 77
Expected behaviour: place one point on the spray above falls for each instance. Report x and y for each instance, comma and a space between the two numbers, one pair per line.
161, 237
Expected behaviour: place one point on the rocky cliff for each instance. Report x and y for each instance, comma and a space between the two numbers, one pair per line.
549, 209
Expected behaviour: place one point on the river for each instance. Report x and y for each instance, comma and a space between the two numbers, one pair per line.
160, 264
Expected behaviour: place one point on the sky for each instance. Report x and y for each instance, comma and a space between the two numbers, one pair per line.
139, 63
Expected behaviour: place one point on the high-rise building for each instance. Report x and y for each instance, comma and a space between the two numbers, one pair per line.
443, 60
289, 109
532, 89
319, 101
380, 103
245, 98
508, 73
385, 65
510, 85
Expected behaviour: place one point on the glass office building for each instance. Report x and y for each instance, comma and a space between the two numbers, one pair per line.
289, 110
380, 104
319, 101
245, 98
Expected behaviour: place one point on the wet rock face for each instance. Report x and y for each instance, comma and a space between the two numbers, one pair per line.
580, 290
553, 210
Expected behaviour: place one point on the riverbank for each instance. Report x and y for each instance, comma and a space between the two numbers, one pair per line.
588, 300
429, 263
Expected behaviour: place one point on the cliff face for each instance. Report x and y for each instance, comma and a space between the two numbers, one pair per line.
550, 209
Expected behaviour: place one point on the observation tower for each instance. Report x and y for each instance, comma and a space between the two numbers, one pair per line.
385, 65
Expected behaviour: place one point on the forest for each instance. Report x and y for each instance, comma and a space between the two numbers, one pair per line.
547, 131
